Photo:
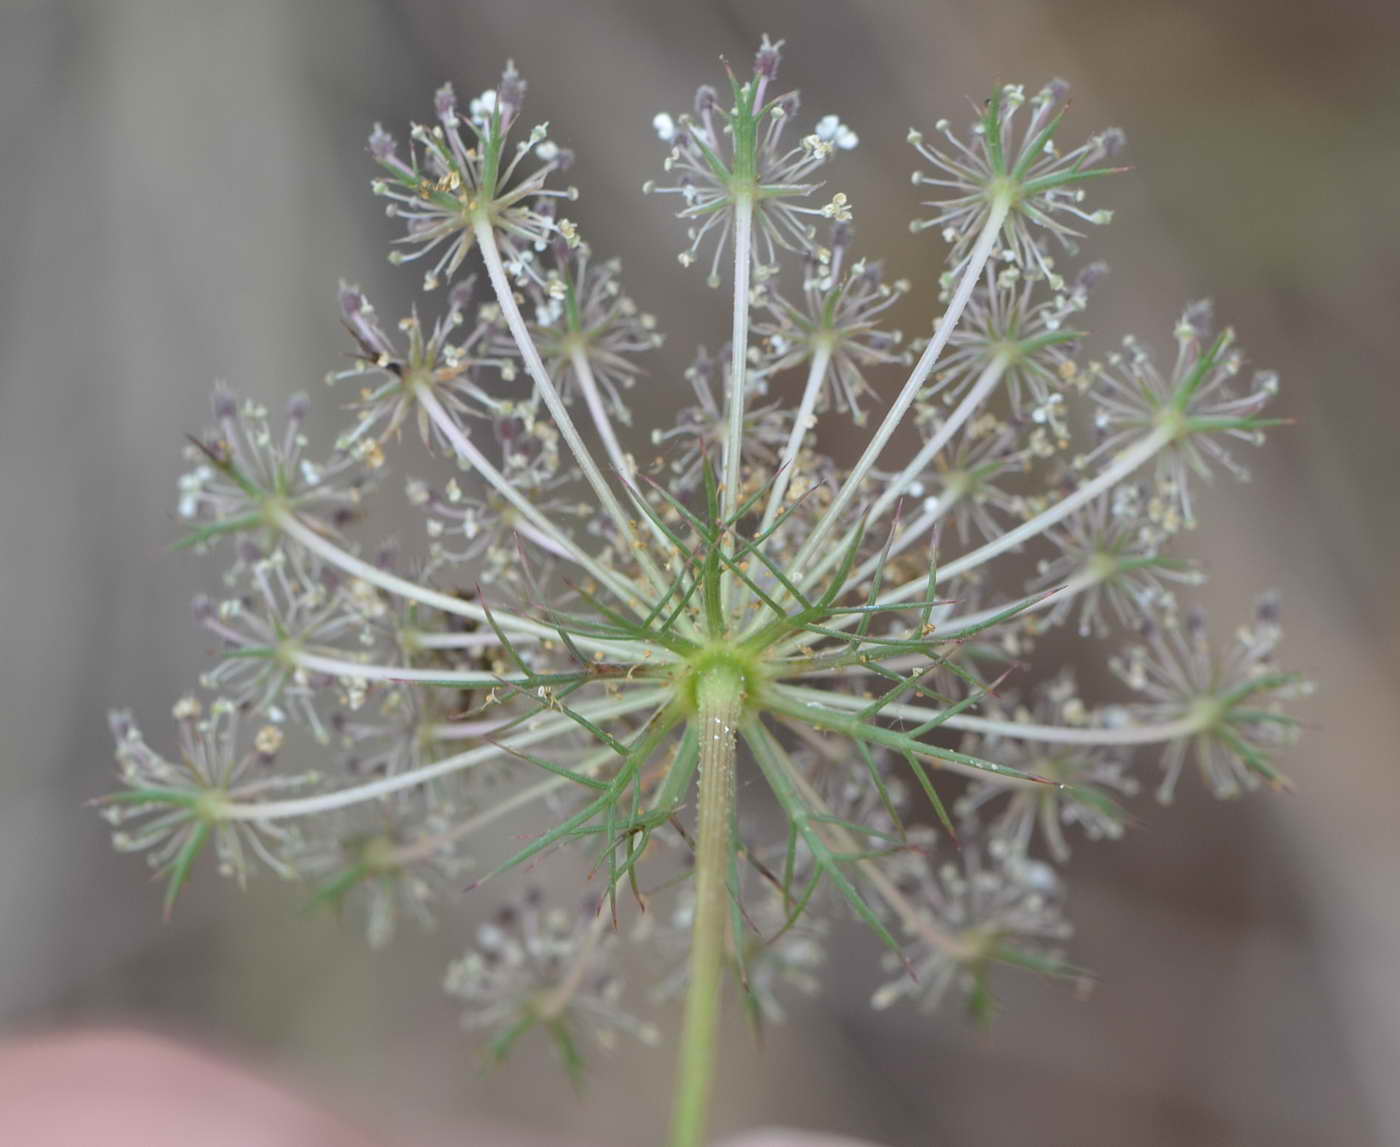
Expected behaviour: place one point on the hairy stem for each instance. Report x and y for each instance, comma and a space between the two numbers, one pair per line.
642, 667
478, 640
457, 678
720, 696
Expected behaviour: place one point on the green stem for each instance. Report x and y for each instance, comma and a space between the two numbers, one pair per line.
720, 694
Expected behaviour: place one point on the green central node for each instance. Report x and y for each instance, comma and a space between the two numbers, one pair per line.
1174, 421
1208, 712
210, 806
378, 855
720, 664
1003, 188
1103, 565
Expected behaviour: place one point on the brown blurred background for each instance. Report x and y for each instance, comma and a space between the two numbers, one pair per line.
184, 182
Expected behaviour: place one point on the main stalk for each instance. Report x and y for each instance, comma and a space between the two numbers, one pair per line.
720, 698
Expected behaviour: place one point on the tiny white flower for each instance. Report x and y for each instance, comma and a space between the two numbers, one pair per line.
831, 129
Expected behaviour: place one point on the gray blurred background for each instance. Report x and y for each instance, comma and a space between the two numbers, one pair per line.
185, 181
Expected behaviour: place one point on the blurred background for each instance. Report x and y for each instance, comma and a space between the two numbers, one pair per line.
184, 183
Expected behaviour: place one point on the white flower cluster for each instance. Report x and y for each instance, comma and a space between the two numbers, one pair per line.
592, 639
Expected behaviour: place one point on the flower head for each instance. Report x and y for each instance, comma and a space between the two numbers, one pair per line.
245, 474
1226, 704
171, 809
1195, 407
593, 646
291, 613
699, 428
392, 863
1110, 551
1015, 324
394, 381
1089, 779
543, 966
1008, 911
1016, 168
586, 328
838, 316
459, 182
721, 157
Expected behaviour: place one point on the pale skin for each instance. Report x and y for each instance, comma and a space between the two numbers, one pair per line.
133, 1089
